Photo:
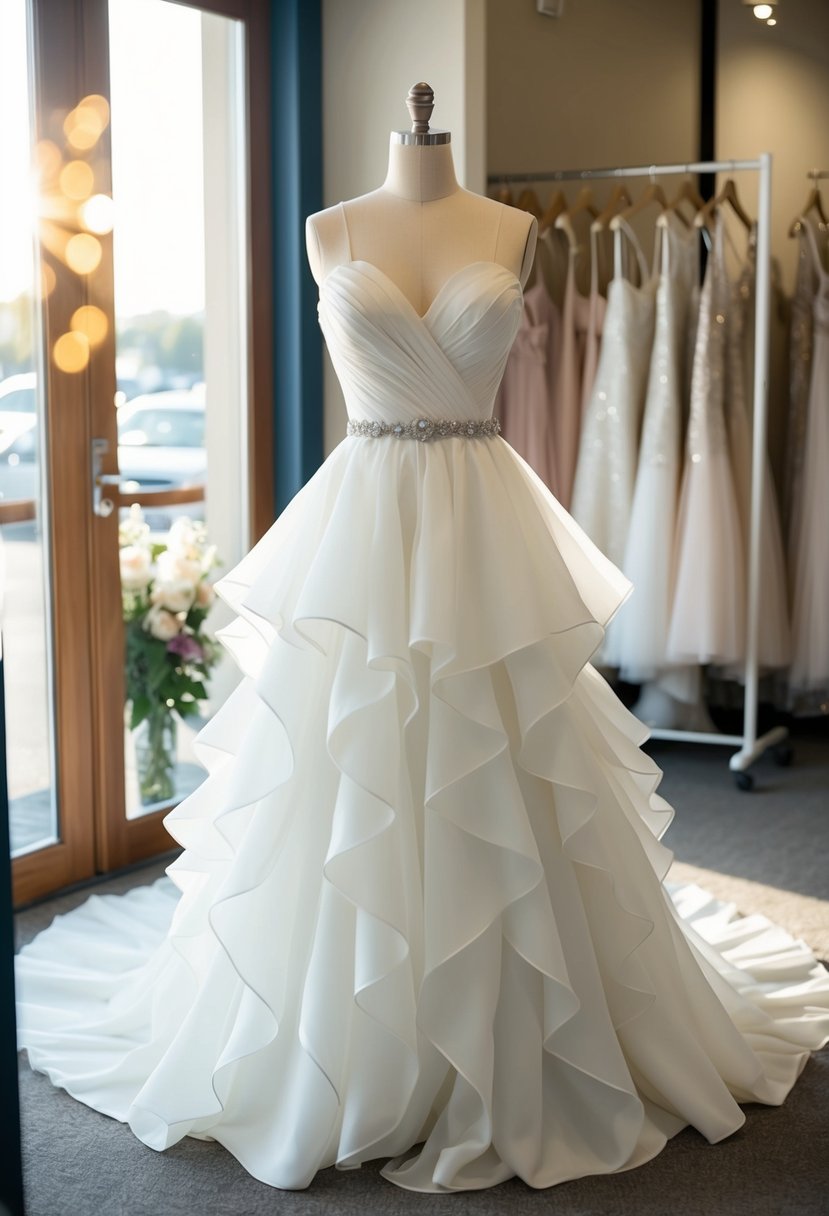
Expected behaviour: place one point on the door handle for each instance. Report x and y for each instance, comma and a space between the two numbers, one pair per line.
101, 505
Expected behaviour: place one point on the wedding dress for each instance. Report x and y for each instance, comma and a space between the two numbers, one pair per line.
420, 897
809, 671
642, 627
709, 608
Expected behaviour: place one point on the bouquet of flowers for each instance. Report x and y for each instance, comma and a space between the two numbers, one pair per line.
166, 597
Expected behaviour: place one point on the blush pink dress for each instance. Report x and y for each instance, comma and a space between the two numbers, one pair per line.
523, 401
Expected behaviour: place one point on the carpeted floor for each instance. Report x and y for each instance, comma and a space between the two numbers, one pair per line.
766, 850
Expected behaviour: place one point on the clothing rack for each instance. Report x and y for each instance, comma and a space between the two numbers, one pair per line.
751, 747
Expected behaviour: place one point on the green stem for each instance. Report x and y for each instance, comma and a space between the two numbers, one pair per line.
157, 771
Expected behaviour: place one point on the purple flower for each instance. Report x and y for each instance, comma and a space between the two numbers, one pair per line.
186, 647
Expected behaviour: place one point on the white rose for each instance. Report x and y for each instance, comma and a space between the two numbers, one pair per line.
136, 567
185, 538
162, 624
174, 568
176, 596
205, 595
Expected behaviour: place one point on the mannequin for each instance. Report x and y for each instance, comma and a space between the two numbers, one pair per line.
421, 227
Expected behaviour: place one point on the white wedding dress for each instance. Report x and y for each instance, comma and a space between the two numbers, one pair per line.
421, 897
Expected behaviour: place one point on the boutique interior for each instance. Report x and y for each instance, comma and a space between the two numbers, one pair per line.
669, 383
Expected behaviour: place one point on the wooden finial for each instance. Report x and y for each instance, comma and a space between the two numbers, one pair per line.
420, 103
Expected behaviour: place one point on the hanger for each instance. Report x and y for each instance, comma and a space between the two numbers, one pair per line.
728, 194
528, 201
505, 194
584, 202
813, 203
556, 205
651, 194
687, 193
618, 196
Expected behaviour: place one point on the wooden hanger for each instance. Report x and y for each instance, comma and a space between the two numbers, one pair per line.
687, 193
728, 194
618, 197
528, 201
556, 205
505, 194
813, 203
651, 194
584, 202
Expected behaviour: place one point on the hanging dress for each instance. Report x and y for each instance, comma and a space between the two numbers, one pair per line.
526, 391
809, 671
773, 636
709, 605
807, 281
606, 469
566, 400
593, 324
644, 620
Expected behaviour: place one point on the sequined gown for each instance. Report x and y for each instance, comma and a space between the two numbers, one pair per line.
709, 604
649, 553
419, 913
608, 454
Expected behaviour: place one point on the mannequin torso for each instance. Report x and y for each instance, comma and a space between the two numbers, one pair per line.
420, 227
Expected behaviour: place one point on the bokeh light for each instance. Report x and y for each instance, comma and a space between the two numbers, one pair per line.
47, 158
76, 180
91, 322
71, 352
48, 280
83, 253
97, 213
84, 125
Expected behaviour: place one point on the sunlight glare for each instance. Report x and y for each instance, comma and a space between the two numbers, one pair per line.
97, 213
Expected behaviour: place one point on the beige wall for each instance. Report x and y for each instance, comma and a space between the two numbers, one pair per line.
373, 52
773, 96
608, 83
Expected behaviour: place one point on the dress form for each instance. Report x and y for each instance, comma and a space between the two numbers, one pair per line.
420, 227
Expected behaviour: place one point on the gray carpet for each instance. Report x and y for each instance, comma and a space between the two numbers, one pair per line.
766, 850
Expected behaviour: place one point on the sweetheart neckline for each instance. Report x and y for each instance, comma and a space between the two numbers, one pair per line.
456, 274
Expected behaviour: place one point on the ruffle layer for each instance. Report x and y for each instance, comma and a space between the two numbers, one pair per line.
421, 893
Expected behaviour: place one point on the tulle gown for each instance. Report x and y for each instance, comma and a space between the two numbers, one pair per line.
420, 898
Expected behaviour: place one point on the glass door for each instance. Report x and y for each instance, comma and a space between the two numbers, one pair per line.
133, 457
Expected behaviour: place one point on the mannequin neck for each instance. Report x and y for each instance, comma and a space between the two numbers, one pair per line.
420, 173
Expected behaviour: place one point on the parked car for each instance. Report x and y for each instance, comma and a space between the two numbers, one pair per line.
18, 437
18, 456
161, 445
18, 394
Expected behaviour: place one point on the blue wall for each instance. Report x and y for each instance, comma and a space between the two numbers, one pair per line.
296, 31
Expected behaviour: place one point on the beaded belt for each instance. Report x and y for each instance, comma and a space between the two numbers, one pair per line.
424, 429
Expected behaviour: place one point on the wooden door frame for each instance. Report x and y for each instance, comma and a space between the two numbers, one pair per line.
70, 50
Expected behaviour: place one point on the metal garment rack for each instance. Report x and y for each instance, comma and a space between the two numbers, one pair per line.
751, 747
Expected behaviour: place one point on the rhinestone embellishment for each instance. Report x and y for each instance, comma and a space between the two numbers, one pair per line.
424, 429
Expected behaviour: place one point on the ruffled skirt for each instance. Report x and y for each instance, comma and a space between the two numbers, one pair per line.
419, 914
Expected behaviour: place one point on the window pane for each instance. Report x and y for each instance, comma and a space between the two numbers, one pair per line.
24, 573
180, 290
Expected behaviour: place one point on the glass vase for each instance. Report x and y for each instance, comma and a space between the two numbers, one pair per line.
155, 757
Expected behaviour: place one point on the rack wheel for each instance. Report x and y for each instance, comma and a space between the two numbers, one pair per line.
783, 754
744, 781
